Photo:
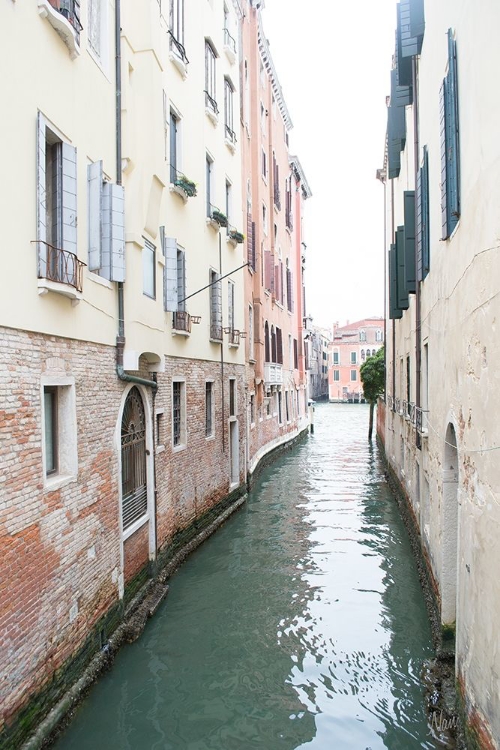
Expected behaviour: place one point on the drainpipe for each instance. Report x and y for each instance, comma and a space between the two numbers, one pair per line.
120, 339
223, 416
418, 332
394, 321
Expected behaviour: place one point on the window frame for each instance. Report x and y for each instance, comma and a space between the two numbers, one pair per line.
209, 410
179, 437
150, 248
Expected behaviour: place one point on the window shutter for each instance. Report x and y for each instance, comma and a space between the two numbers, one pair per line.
417, 22
181, 279
277, 282
68, 183
170, 296
218, 302
423, 219
409, 241
394, 311
419, 226
452, 140
396, 125
113, 232
272, 274
279, 346
267, 269
403, 61
230, 304
402, 295
41, 197
410, 44
94, 180
442, 123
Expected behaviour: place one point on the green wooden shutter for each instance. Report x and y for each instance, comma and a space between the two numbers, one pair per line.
41, 186
417, 22
409, 242
403, 60
402, 294
444, 192
394, 311
423, 218
452, 139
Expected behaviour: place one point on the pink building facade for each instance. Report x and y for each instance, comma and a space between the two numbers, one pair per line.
352, 345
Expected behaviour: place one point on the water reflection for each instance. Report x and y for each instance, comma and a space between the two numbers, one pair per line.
300, 624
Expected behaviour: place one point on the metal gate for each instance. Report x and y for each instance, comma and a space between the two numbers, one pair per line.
134, 473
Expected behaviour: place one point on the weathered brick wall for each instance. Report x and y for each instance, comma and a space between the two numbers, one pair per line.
59, 550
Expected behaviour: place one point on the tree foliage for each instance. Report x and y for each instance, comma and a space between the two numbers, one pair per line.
372, 373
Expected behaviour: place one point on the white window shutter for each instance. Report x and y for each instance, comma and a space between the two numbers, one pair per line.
218, 301
181, 279
170, 295
69, 220
41, 197
94, 178
113, 232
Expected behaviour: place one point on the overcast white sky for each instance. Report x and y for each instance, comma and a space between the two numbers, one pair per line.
333, 59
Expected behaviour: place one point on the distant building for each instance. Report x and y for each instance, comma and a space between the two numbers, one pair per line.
318, 340
352, 345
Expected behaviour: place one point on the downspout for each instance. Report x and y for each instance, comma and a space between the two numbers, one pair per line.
418, 332
120, 339
394, 320
223, 416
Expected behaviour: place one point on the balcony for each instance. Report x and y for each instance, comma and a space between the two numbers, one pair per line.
181, 184
211, 108
178, 55
421, 421
181, 322
216, 333
59, 271
230, 138
234, 336
277, 196
229, 47
215, 217
64, 16
273, 373
289, 219
234, 237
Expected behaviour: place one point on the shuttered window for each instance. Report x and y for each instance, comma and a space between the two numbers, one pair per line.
215, 290
409, 242
106, 213
289, 289
394, 310
450, 144
402, 294
149, 269
423, 237
251, 241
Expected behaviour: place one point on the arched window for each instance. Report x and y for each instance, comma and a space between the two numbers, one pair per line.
373, 352
363, 355
133, 447
362, 335
273, 345
266, 343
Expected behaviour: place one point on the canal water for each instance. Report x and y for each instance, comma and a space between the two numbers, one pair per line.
299, 624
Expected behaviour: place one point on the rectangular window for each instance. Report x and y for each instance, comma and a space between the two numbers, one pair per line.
251, 347
280, 407
177, 20
252, 409
229, 110
228, 202
210, 78
288, 204
287, 407
336, 375
232, 397
209, 406
160, 437
264, 164
353, 358
50, 426
450, 145
295, 354
336, 358
215, 290
149, 269
96, 30
178, 413
208, 184
230, 305
264, 219
106, 228
354, 375
289, 289
174, 146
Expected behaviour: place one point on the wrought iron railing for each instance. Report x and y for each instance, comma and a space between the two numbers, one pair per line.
389, 401
181, 321
215, 332
70, 9
277, 196
289, 219
178, 48
234, 337
397, 405
229, 41
230, 134
421, 420
180, 180
59, 265
211, 103
411, 411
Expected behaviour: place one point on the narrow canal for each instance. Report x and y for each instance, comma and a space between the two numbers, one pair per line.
299, 624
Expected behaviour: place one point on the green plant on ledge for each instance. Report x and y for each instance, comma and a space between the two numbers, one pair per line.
238, 237
219, 217
187, 185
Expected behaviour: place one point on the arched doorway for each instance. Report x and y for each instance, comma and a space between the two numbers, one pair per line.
133, 455
449, 529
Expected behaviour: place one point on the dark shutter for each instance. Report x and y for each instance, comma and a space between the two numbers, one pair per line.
394, 311
402, 45
452, 139
402, 294
396, 126
409, 241
442, 128
417, 22
422, 238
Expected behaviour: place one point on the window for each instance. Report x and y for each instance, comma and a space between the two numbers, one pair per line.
354, 375
149, 269
229, 110
215, 290
450, 146
232, 397
336, 375
96, 28
209, 409
289, 288
210, 78
264, 218
423, 238
290, 351
208, 183
174, 146
174, 274
353, 358
362, 335
288, 204
287, 407
177, 20
336, 358
230, 307
363, 355
252, 409
56, 208
106, 231
228, 201
264, 164
251, 347
178, 413
59, 437
160, 437
378, 336
280, 407
295, 354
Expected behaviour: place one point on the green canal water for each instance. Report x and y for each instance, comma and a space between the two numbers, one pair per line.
299, 624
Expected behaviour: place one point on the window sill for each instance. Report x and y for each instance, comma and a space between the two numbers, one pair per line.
213, 224
233, 346
179, 448
160, 449
212, 116
232, 243
57, 481
215, 341
179, 64
61, 26
230, 145
251, 361
178, 332
209, 437
135, 527
99, 280
230, 54
179, 191
45, 286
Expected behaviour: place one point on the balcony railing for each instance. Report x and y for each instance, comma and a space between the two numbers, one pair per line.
389, 401
179, 180
215, 332
211, 103
277, 196
70, 9
229, 41
234, 337
181, 321
397, 405
216, 215
410, 411
230, 134
273, 373
178, 48
59, 265
289, 219
421, 420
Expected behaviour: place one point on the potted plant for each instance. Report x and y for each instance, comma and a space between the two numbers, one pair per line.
236, 236
186, 184
219, 217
